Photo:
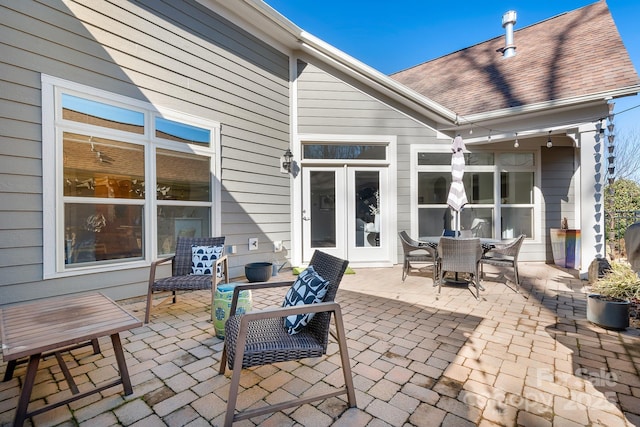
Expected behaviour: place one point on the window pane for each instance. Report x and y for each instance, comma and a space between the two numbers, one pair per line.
181, 132
517, 159
517, 221
99, 167
433, 187
102, 232
368, 214
516, 187
478, 186
182, 176
439, 159
432, 221
186, 221
98, 114
323, 209
349, 152
478, 220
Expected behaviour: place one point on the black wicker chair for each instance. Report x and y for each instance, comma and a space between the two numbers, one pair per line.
260, 338
505, 255
416, 252
460, 255
181, 278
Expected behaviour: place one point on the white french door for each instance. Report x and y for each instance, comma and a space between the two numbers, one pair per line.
343, 212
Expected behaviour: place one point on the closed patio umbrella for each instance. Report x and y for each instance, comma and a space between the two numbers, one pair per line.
457, 196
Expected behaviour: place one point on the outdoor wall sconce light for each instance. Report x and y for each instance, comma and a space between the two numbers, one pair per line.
287, 161
549, 143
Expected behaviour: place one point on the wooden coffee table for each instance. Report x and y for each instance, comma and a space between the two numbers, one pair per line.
54, 325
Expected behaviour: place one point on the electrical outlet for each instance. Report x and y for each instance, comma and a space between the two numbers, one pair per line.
277, 246
253, 244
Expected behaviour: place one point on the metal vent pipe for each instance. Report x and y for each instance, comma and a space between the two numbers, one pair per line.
508, 21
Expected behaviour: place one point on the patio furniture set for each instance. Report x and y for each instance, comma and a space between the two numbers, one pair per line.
456, 253
299, 329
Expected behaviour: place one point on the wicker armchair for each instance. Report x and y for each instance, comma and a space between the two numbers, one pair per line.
505, 255
460, 255
417, 252
181, 278
260, 338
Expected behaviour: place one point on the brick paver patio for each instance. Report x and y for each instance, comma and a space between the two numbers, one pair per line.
419, 358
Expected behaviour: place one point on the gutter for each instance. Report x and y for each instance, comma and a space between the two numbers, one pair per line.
346, 63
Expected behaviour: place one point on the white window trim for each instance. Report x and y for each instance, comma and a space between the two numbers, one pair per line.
446, 148
52, 198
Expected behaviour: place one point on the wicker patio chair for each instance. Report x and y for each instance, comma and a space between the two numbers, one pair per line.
460, 255
505, 255
181, 278
416, 252
260, 338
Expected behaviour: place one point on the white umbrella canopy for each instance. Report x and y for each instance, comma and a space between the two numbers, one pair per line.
457, 197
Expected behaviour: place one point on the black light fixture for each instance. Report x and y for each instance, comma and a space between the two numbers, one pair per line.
287, 160
549, 143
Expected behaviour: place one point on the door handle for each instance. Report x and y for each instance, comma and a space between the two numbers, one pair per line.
304, 218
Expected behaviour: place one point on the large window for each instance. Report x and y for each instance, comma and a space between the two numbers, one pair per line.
499, 188
123, 179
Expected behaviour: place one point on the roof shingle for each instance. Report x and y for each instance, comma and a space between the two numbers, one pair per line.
573, 54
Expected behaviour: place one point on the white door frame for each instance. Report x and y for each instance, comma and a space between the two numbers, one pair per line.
390, 220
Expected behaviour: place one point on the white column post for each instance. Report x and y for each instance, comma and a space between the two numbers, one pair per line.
590, 194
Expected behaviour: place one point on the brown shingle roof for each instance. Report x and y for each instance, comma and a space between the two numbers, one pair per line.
573, 54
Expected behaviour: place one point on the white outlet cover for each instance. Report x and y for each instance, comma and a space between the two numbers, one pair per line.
253, 244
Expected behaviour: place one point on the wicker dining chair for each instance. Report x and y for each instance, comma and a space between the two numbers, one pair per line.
417, 252
181, 278
505, 255
260, 337
460, 255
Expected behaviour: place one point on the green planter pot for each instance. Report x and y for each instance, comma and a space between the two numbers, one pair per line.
607, 314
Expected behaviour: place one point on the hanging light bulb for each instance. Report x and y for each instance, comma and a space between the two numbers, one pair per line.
549, 143
516, 144
489, 138
470, 131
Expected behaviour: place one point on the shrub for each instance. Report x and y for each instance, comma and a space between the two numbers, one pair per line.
620, 282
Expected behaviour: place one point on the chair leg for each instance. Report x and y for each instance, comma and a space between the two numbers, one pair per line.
405, 269
517, 277
344, 355
147, 313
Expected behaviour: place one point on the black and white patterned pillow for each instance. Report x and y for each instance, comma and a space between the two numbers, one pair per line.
203, 258
309, 288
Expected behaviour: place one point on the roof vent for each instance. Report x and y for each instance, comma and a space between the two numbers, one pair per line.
508, 21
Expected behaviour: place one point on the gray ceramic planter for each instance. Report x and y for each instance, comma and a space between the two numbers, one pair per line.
607, 314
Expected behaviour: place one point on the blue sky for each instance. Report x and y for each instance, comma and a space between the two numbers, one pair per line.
392, 36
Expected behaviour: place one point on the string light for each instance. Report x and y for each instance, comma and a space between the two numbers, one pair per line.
516, 144
549, 143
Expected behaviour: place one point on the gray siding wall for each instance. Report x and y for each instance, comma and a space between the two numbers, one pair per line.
178, 55
331, 103
558, 189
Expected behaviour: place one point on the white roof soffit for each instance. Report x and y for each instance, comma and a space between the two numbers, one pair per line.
254, 12
546, 107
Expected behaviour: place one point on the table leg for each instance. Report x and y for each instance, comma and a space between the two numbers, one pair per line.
122, 364
25, 394
8, 374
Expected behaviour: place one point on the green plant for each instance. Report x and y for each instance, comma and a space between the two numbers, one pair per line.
620, 282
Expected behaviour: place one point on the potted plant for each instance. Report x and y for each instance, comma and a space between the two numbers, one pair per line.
608, 304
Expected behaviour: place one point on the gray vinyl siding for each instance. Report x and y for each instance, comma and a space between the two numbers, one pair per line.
331, 103
178, 55
558, 189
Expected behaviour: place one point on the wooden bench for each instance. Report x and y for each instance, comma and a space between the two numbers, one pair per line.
54, 325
